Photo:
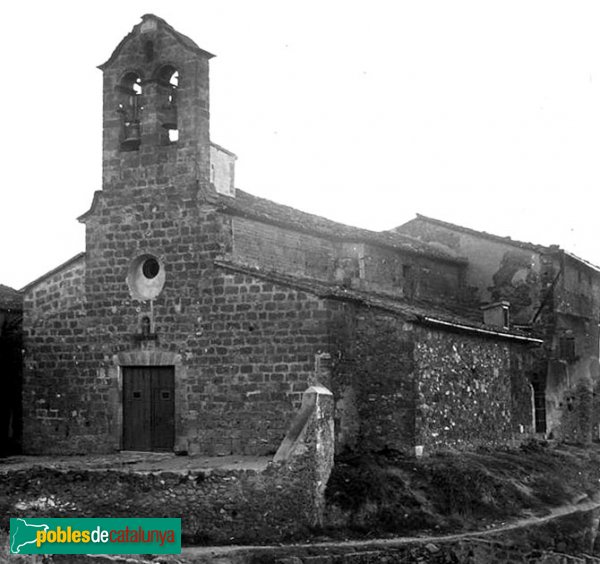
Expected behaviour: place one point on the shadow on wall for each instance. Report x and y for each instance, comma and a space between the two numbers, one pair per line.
10, 369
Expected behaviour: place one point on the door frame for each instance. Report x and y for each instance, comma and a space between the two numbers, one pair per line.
148, 426
148, 358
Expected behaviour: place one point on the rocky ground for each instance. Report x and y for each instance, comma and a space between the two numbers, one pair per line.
433, 508
387, 494
136, 462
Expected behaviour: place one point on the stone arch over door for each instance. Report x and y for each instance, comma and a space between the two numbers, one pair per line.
152, 358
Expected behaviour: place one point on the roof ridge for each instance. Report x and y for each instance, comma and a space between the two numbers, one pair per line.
424, 313
184, 40
282, 214
486, 234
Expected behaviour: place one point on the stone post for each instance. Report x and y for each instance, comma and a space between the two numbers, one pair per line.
308, 447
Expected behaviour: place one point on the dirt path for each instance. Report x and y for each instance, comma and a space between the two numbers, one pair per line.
236, 554
374, 543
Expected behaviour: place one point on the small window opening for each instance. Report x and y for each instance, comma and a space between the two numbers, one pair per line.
539, 405
137, 395
168, 83
150, 268
145, 326
409, 280
505, 317
566, 347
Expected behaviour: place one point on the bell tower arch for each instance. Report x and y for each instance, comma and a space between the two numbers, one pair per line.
156, 110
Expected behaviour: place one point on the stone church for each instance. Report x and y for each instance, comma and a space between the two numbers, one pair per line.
199, 313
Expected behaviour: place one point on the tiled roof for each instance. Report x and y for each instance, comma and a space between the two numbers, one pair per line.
422, 313
475, 232
582, 261
498, 238
183, 39
247, 205
10, 298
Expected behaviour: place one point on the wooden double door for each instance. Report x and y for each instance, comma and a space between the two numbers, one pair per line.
148, 408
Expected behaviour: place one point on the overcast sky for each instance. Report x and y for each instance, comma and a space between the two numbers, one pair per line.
485, 114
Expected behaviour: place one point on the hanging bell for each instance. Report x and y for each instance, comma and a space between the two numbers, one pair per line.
131, 134
168, 116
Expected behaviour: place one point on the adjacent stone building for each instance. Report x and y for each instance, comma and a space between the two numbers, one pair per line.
549, 292
199, 313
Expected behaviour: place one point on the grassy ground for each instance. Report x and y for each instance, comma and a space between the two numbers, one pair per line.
387, 494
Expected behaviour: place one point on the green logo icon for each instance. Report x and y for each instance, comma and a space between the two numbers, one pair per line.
95, 536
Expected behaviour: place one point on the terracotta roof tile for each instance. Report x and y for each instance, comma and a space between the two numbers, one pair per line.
247, 205
419, 312
483, 234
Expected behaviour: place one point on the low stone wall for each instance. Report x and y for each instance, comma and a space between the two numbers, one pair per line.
219, 506
216, 506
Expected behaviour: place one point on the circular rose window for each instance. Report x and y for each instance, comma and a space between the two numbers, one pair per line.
146, 277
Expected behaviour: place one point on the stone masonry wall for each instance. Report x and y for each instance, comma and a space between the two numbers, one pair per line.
373, 381
244, 348
54, 338
259, 342
283, 500
398, 385
282, 249
356, 265
465, 391
411, 276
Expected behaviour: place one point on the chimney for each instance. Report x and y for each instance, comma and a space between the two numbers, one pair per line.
497, 314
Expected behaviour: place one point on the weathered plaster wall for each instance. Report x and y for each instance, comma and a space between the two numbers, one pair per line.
573, 367
222, 170
556, 292
499, 270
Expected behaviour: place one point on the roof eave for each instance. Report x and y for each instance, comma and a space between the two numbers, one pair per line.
182, 39
427, 320
230, 208
55, 270
95, 201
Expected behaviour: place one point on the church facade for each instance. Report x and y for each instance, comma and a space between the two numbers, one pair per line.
198, 313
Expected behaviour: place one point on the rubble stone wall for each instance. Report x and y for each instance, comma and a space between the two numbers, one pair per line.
398, 385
